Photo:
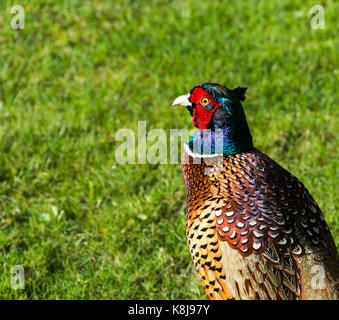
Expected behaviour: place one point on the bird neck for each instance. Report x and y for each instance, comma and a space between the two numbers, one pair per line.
231, 138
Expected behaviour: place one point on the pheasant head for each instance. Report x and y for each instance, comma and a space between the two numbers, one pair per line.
204, 100
213, 106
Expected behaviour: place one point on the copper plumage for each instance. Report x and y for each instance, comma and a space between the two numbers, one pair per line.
254, 231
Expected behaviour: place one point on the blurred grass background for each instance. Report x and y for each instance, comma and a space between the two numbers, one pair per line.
84, 227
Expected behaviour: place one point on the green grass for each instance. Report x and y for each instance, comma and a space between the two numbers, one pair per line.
84, 227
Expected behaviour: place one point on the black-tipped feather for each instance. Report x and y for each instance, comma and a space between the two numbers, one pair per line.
240, 93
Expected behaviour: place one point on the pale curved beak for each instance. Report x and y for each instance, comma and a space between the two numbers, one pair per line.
183, 100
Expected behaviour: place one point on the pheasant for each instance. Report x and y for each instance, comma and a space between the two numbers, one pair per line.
254, 231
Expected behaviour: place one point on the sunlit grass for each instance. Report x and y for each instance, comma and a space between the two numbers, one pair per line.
84, 227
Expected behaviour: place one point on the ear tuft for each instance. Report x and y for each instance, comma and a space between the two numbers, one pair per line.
240, 93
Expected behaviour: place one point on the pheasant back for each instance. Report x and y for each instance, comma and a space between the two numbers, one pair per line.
254, 231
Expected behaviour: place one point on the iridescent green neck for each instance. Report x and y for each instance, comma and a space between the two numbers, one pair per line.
231, 139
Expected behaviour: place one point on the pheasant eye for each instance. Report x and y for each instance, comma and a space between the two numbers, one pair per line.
204, 101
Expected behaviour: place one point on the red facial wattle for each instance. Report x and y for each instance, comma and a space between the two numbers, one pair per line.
202, 117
